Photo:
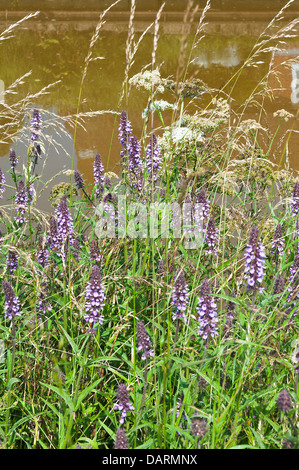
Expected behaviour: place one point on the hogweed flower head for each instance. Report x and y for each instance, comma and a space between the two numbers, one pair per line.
12, 303
98, 175
144, 341
153, 158
2, 183
95, 297
284, 402
180, 297
207, 313
278, 241
121, 440
124, 405
295, 200
12, 262
255, 260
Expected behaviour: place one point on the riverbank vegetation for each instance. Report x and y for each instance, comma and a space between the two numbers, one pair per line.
184, 337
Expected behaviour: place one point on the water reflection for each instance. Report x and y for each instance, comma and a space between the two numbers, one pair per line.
55, 49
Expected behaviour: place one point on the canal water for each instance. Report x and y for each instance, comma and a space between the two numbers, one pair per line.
52, 47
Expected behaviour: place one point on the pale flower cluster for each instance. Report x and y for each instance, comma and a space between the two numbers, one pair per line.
282, 113
148, 80
158, 105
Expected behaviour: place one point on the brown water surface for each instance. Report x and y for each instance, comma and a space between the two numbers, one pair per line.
53, 46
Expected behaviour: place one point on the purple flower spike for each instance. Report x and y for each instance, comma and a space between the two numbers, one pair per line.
53, 239
293, 282
98, 174
124, 405
121, 440
21, 202
12, 303
42, 254
278, 241
207, 313
134, 161
94, 251
124, 133
95, 297
144, 341
44, 305
12, 159
78, 179
284, 402
295, 200
255, 260
64, 223
36, 125
153, 158
180, 297
201, 198
211, 237
2, 183
12, 262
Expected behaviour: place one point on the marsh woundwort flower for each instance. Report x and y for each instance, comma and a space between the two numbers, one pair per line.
53, 239
180, 296
144, 341
64, 223
295, 200
124, 405
2, 183
121, 440
207, 313
95, 297
12, 262
76, 248
201, 198
278, 241
36, 125
124, 133
255, 260
21, 202
199, 427
42, 254
278, 285
94, 251
12, 303
78, 179
211, 236
284, 402
98, 175
135, 167
12, 159
44, 305
153, 158
293, 281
